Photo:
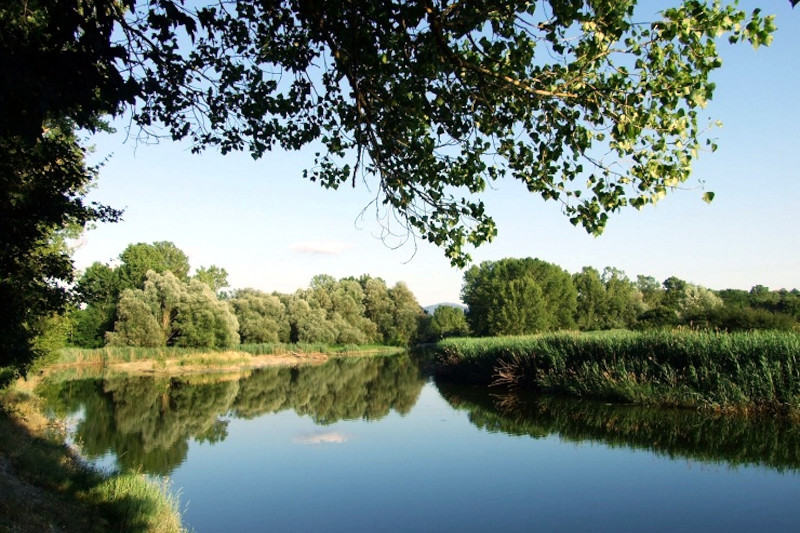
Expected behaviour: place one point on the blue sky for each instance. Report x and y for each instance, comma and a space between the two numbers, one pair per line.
272, 230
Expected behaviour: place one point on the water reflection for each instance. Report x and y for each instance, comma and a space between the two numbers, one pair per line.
322, 438
146, 422
734, 440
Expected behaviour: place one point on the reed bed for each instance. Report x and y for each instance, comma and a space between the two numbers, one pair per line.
129, 354
752, 371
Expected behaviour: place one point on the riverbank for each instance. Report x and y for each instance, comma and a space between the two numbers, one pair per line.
76, 362
754, 372
44, 485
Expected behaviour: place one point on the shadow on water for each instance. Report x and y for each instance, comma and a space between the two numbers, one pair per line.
772, 442
147, 422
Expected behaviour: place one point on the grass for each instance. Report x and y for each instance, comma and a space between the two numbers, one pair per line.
44, 485
750, 372
128, 354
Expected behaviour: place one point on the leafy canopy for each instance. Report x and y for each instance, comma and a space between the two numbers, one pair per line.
430, 101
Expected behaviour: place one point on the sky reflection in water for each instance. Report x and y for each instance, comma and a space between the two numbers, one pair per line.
372, 447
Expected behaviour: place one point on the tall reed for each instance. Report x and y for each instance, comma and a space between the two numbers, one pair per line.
752, 371
128, 354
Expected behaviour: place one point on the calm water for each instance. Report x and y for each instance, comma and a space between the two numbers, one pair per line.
371, 445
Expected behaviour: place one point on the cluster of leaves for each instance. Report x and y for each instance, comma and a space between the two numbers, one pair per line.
520, 296
149, 299
579, 101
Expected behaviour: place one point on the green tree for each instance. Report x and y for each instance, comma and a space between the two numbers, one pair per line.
559, 294
168, 311
447, 321
519, 309
203, 321
56, 79
378, 306
341, 302
98, 289
41, 187
213, 276
99, 283
623, 300
518, 296
684, 303
591, 299
92, 323
262, 317
408, 315
138, 259
136, 323
651, 291
348, 314
308, 324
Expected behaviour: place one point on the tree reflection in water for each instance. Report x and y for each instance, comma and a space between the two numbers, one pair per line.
718, 438
146, 422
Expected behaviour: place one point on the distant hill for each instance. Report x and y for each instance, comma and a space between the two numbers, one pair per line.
431, 308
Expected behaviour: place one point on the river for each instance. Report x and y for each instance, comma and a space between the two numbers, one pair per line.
373, 444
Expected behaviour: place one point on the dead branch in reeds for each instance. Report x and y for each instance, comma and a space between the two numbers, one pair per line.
508, 373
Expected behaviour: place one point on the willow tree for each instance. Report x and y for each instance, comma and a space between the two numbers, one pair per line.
171, 312
262, 317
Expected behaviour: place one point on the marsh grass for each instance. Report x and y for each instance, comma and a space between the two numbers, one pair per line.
753, 371
45, 486
185, 356
139, 503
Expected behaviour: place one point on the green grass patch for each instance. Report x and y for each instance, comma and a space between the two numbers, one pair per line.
753, 371
45, 486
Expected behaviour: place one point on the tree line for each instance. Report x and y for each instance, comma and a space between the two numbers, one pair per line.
521, 296
447, 83
150, 299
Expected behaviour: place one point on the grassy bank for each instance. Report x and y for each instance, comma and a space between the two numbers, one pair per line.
129, 354
44, 486
751, 372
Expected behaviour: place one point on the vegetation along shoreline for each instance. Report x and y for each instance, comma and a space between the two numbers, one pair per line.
747, 372
46, 486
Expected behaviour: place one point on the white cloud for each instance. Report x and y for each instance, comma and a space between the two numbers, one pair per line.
320, 247
321, 438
